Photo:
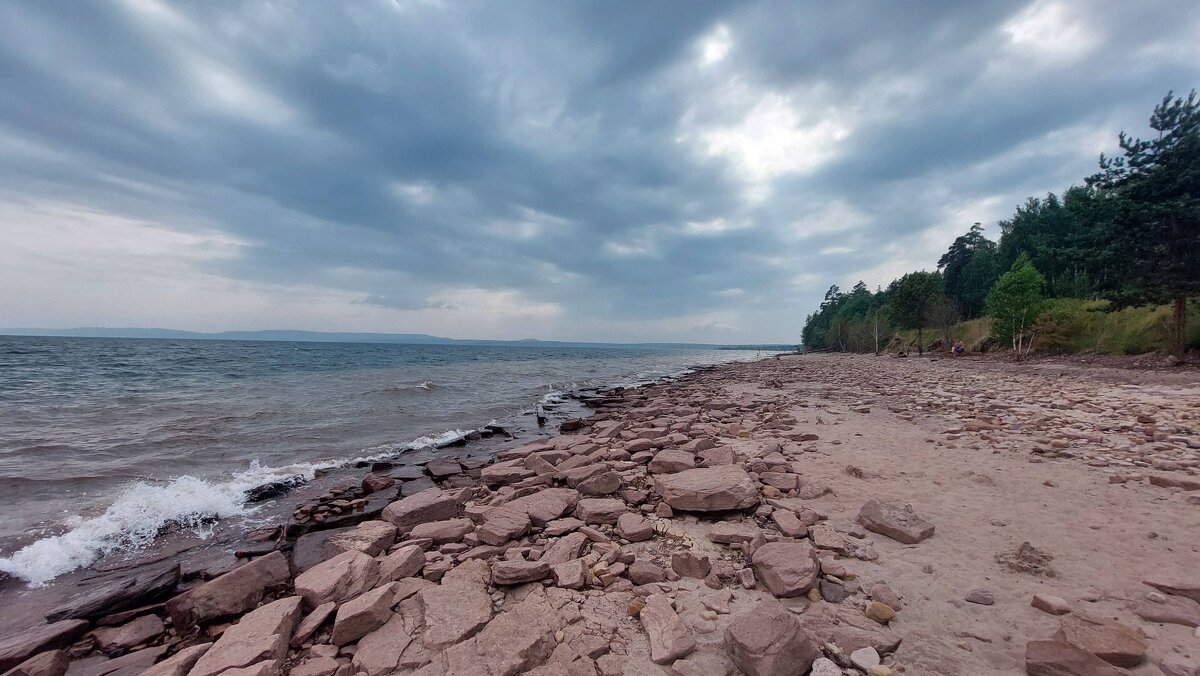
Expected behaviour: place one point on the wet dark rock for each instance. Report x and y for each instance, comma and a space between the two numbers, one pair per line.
17, 648
115, 593
273, 489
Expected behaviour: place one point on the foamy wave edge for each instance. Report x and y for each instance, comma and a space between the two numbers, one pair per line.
141, 510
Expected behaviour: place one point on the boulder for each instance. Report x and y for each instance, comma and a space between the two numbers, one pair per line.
671, 461
503, 473
233, 593
1172, 610
180, 663
49, 663
374, 483
605, 483
442, 532
1054, 658
731, 532
668, 635
338, 579
261, 636
600, 510
642, 571
503, 524
131, 634
1111, 641
519, 571
122, 591
690, 564
379, 652
518, 640
440, 468
369, 537
311, 623
634, 527
709, 489
404, 562
19, 647
899, 523
848, 628
547, 505
569, 574
431, 504
363, 614
769, 641
787, 569
457, 608
566, 548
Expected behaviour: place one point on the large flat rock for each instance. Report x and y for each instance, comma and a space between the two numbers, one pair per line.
709, 489
234, 592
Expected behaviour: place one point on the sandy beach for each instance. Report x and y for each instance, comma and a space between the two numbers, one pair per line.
839, 514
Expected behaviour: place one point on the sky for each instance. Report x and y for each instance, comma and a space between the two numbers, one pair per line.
612, 171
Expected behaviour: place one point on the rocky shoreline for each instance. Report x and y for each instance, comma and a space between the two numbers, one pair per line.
726, 522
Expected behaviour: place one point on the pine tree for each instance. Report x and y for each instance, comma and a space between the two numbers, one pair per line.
912, 297
1153, 243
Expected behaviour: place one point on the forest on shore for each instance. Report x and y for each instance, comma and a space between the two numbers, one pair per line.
1110, 266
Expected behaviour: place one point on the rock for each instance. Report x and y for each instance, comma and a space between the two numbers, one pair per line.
140, 630
1111, 641
709, 489
668, 635
600, 510
670, 461
431, 504
115, 593
1053, 658
569, 574
457, 608
129, 664
690, 564
832, 592
899, 523
380, 651
442, 532
19, 647
825, 667
566, 548
605, 483
731, 532
315, 666
374, 483
369, 537
642, 571
1189, 590
634, 527
880, 612
311, 623
233, 593
1050, 604
404, 562
825, 537
864, 658
363, 614
503, 473
769, 641
788, 523
440, 468
338, 579
787, 569
49, 663
514, 643
982, 597
519, 571
180, 663
1172, 610
503, 524
885, 595
261, 635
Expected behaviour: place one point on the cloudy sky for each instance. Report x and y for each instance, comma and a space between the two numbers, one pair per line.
573, 170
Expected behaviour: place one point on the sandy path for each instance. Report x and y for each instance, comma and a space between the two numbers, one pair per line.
986, 497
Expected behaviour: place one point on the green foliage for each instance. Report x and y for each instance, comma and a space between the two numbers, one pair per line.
913, 298
1015, 303
968, 270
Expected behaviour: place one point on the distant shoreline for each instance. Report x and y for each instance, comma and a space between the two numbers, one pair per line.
289, 336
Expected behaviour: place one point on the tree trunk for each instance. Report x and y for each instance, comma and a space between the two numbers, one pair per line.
1180, 325
877, 332
920, 342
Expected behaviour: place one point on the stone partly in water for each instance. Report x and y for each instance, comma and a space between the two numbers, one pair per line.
123, 591
17, 648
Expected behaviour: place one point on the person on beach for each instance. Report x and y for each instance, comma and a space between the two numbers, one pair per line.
958, 348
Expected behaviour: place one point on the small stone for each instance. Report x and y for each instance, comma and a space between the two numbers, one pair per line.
864, 658
982, 597
880, 612
1050, 604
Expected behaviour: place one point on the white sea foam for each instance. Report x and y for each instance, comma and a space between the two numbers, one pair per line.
141, 510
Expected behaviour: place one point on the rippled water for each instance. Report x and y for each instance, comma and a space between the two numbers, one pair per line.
103, 440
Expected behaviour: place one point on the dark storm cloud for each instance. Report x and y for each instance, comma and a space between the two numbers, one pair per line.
705, 163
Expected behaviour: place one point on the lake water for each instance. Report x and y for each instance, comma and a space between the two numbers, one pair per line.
104, 441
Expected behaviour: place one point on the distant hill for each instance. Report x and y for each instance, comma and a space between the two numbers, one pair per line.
338, 337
